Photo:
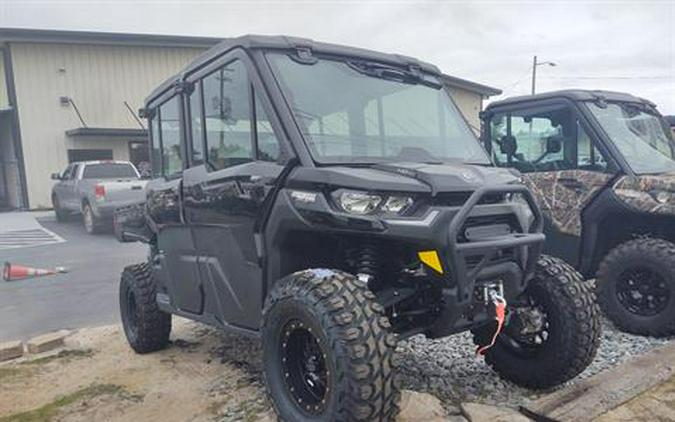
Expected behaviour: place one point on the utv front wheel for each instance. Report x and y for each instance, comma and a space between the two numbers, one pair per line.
636, 287
552, 331
328, 350
146, 327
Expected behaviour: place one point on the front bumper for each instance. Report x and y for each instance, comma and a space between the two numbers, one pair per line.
510, 258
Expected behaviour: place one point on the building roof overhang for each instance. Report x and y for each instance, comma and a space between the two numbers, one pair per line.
107, 132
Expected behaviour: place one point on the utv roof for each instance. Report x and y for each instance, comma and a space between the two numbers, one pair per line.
280, 42
574, 95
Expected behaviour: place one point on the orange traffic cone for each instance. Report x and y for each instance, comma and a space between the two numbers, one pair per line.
13, 272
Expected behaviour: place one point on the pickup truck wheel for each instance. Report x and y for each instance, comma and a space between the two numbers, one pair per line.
61, 214
146, 327
91, 224
328, 350
635, 285
552, 331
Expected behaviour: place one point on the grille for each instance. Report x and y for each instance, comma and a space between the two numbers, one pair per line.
457, 199
489, 220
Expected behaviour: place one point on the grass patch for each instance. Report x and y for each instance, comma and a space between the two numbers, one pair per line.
50, 410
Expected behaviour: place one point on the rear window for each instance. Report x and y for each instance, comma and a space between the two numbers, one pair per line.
109, 171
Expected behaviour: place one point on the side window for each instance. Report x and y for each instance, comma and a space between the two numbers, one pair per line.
268, 145
588, 155
227, 116
169, 122
67, 172
155, 146
543, 140
197, 125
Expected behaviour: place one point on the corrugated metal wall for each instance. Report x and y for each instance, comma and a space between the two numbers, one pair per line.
99, 78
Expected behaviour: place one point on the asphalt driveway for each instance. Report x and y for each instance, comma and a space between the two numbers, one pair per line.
85, 296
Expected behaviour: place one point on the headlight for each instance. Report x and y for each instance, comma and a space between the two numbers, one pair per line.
364, 203
397, 204
662, 196
524, 206
360, 203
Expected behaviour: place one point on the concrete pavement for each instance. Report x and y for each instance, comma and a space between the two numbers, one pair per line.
85, 296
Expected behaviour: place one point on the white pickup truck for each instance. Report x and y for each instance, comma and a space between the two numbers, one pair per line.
95, 189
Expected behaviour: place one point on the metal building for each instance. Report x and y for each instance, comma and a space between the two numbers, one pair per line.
69, 96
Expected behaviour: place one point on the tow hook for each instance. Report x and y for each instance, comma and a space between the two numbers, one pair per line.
494, 293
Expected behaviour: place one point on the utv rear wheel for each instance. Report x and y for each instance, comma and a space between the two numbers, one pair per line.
636, 286
146, 327
552, 331
328, 350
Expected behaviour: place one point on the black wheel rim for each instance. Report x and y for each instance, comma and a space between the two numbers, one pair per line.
643, 291
304, 367
529, 327
132, 313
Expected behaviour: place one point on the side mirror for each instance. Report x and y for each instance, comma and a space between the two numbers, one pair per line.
56, 176
553, 144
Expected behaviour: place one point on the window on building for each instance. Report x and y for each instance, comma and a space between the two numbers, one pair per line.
227, 116
197, 126
169, 122
75, 155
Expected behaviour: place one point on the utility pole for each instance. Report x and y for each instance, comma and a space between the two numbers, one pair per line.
535, 63
534, 73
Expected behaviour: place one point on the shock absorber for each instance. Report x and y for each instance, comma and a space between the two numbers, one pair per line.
367, 262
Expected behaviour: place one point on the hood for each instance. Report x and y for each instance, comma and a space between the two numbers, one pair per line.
405, 177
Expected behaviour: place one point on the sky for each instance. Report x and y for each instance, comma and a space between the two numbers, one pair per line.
624, 46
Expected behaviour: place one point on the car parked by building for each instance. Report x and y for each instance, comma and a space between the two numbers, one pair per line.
95, 189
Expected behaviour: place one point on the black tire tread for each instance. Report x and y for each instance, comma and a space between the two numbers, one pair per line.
661, 250
358, 332
154, 327
581, 332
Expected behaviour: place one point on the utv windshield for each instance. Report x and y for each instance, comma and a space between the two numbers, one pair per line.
639, 134
355, 112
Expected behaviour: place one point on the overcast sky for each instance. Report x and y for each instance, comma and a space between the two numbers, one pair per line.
626, 46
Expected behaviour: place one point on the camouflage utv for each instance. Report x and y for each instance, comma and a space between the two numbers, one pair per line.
602, 167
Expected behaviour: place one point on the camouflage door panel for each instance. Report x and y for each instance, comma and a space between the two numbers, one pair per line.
562, 195
640, 192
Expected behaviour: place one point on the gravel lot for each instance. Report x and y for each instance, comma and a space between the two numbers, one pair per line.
449, 369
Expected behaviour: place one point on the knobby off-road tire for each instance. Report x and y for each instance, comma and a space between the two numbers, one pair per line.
146, 327
627, 263
573, 331
351, 331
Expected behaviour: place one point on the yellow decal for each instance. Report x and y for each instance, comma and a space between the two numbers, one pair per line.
431, 259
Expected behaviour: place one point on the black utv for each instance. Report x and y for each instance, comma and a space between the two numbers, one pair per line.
330, 201
602, 168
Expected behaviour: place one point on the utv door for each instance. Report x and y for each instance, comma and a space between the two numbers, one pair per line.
177, 251
234, 155
560, 161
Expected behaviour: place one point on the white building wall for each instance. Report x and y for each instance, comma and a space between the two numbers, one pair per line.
469, 103
99, 78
